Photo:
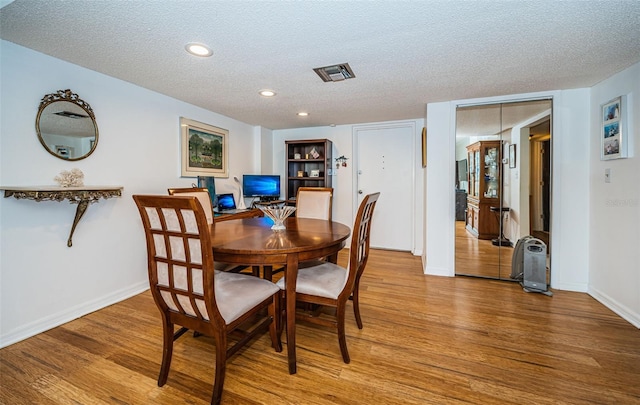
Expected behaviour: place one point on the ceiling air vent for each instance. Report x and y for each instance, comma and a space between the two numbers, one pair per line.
335, 73
70, 114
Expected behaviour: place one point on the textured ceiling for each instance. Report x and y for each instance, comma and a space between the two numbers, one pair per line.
405, 54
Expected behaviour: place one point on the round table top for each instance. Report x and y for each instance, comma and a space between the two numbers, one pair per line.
236, 240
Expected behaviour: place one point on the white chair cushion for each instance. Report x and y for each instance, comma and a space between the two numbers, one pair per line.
205, 201
313, 204
237, 293
324, 280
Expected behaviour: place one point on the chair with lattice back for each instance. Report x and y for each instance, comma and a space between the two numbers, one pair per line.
314, 202
311, 202
190, 293
330, 285
205, 199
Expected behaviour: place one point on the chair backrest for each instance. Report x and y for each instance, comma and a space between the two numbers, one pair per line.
180, 260
314, 202
360, 238
203, 196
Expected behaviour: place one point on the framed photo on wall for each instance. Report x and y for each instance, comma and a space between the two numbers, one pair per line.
205, 149
613, 130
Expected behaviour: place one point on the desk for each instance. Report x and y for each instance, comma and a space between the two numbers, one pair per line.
252, 242
250, 213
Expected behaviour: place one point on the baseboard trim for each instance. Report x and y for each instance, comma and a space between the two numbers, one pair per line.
52, 321
625, 313
438, 271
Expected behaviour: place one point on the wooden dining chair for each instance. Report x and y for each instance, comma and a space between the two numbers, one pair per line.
314, 202
205, 200
331, 285
190, 293
203, 196
311, 202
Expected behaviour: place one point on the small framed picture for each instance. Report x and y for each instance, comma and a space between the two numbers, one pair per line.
613, 135
315, 173
314, 153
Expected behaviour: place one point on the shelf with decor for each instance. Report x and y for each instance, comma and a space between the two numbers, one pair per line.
308, 165
484, 188
80, 195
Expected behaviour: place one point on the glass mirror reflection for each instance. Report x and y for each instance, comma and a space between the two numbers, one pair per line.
501, 198
66, 126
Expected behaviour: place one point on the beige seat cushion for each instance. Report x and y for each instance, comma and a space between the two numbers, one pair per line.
237, 293
205, 201
313, 204
324, 280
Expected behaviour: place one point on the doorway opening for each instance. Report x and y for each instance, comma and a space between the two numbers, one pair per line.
503, 184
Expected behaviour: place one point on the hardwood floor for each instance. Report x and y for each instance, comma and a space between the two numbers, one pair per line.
426, 340
478, 257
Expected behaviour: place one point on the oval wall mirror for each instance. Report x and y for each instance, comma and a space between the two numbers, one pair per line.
66, 126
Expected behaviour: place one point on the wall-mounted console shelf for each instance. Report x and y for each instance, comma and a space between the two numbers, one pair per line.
83, 196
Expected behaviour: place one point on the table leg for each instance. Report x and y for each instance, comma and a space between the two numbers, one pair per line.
82, 207
291, 275
333, 258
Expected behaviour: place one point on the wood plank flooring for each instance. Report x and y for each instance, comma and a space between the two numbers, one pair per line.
479, 257
426, 340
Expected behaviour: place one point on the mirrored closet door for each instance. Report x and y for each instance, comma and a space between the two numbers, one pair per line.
503, 176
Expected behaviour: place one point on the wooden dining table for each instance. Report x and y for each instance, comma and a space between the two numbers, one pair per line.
251, 241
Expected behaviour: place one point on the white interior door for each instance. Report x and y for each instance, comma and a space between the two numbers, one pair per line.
385, 163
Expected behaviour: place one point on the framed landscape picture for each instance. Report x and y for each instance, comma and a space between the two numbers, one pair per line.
613, 130
204, 149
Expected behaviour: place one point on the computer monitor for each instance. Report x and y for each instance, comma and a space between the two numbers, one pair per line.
261, 185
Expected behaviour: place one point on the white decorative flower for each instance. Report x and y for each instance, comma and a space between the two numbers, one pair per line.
71, 178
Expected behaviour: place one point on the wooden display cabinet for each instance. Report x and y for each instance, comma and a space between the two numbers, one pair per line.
485, 186
309, 164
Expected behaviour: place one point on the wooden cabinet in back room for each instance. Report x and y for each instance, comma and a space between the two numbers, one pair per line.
484, 188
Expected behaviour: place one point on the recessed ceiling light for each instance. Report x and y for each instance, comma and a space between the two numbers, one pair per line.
198, 49
267, 93
303, 114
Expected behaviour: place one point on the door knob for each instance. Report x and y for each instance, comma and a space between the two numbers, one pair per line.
359, 191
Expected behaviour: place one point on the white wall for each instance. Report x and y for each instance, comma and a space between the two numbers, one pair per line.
614, 208
266, 151
440, 194
343, 179
570, 185
43, 283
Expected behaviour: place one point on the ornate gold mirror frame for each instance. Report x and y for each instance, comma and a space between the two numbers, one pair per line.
66, 126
